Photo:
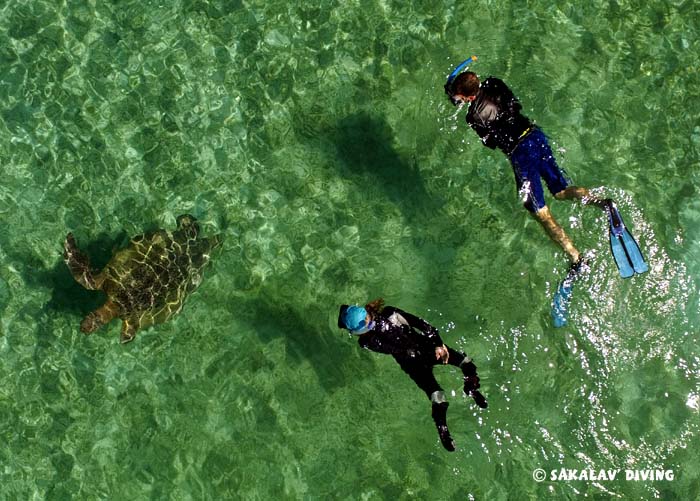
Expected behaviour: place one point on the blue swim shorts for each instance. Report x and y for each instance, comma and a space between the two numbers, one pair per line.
532, 161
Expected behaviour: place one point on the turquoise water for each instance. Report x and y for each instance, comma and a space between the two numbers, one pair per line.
317, 139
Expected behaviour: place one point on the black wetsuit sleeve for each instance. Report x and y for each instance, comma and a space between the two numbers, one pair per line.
482, 117
391, 341
365, 341
421, 327
400, 334
378, 341
485, 133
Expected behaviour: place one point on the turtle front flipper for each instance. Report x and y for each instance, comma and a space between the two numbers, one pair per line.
129, 328
79, 265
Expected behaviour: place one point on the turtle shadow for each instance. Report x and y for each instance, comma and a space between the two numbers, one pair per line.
68, 304
68, 296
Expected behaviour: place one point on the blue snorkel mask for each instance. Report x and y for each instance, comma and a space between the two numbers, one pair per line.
460, 67
354, 319
363, 328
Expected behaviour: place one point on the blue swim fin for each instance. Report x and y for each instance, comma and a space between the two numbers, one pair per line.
638, 262
625, 250
562, 297
560, 304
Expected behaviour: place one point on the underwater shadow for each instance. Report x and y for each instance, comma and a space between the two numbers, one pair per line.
69, 296
364, 147
305, 340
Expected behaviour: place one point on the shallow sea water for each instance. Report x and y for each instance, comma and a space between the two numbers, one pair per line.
317, 139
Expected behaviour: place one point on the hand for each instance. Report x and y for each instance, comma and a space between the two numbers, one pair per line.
442, 353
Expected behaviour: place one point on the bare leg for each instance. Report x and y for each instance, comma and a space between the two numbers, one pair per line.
583, 194
557, 233
99, 317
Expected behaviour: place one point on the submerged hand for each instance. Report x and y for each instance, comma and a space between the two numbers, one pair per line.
442, 353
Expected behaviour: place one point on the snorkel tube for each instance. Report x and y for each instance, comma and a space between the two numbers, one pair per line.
460, 67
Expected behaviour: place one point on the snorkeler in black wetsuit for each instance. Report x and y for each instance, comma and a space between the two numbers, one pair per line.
417, 347
494, 114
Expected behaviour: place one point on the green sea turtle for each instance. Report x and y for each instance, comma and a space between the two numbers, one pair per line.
146, 282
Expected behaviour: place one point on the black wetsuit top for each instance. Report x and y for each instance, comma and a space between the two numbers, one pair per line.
404, 336
495, 116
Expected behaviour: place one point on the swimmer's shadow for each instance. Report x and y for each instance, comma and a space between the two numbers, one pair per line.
305, 341
364, 146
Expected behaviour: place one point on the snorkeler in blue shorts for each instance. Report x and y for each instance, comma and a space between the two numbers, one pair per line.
494, 114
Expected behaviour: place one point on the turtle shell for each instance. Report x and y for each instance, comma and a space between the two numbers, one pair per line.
150, 278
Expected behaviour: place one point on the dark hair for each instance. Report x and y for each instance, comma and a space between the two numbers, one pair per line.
466, 84
375, 307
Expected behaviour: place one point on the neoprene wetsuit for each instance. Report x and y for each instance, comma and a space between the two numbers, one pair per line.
394, 334
495, 117
412, 342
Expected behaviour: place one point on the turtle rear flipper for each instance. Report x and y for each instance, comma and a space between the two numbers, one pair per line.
214, 241
129, 328
79, 265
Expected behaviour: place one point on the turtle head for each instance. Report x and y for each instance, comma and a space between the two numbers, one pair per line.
188, 224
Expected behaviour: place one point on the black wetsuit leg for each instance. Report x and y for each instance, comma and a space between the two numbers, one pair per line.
421, 371
456, 357
471, 378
